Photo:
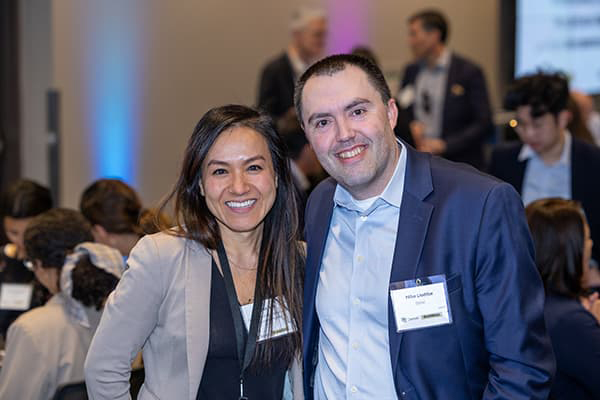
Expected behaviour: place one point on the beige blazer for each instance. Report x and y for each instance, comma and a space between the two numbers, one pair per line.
45, 348
161, 305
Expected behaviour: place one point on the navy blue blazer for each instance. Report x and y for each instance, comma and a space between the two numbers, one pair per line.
457, 221
467, 115
575, 335
276, 86
585, 167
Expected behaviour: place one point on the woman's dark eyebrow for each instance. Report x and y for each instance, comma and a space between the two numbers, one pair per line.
247, 161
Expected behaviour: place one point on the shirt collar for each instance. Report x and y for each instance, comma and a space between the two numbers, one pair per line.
527, 152
442, 63
444, 60
392, 194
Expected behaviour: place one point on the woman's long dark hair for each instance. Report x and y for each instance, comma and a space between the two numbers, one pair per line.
557, 229
281, 274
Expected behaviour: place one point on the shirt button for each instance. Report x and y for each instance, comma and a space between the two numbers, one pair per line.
355, 345
403, 394
353, 389
359, 258
363, 218
356, 301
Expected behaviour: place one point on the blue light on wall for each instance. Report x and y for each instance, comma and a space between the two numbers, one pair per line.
113, 90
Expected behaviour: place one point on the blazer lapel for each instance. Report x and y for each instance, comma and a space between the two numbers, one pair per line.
450, 80
197, 306
579, 174
316, 238
413, 223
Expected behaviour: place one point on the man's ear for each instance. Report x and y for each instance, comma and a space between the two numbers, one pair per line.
392, 112
100, 234
563, 118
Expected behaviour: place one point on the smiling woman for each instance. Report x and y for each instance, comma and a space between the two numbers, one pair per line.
239, 182
220, 295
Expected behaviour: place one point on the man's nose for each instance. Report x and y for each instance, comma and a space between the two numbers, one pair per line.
345, 131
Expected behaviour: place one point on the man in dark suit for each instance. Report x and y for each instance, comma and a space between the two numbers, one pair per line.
276, 87
444, 105
549, 161
420, 279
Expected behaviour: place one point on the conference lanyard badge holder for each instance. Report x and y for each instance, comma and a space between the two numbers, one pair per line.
420, 303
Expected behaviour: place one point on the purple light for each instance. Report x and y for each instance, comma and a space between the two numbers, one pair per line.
348, 25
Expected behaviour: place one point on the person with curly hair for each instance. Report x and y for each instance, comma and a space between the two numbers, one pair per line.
46, 347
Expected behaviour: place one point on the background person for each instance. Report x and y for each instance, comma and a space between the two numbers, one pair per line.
46, 347
20, 203
563, 249
234, 248
443, 97
276, 87
115, 211
549, 161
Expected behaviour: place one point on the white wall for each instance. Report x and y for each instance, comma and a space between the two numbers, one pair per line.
190, 55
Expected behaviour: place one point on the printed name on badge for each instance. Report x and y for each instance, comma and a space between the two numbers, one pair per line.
420, 303
282, 320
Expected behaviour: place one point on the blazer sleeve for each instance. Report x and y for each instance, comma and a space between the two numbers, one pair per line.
577, 342
129, 317
510, 296
480, 110
271, 89
24, 373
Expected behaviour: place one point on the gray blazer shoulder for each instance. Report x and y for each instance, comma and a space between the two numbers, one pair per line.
161, 305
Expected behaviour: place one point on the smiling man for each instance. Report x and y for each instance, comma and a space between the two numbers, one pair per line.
420, 279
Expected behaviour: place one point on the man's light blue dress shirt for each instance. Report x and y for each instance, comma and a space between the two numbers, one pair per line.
542, 180
352, 295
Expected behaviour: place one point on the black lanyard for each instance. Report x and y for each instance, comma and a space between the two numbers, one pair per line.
245, 350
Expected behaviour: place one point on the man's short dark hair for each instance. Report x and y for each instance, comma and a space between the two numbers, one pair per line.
543, 92
333, 64
52, 235
432, 20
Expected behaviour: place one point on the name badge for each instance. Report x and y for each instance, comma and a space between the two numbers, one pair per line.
15, 296
282, 320
420, 303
